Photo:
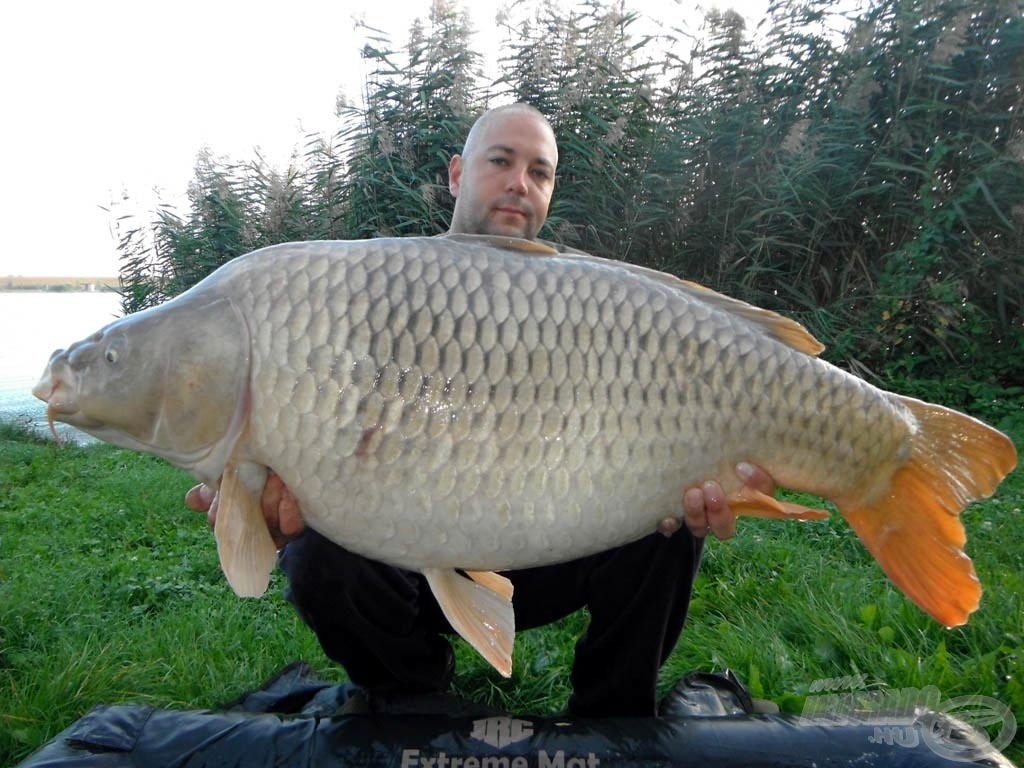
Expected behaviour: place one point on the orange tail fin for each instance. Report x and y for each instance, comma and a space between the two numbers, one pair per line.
913, 527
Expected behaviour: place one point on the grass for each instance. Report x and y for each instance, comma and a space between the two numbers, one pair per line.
110, 591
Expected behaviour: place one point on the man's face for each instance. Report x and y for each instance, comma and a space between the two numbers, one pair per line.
504, 185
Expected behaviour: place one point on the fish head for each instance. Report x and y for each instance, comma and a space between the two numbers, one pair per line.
171, 381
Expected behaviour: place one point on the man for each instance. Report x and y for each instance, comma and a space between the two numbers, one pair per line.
383, 624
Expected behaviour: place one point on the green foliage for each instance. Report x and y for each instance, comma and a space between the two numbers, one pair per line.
864, 173
583, 71
416, 115
110, 590
234, 208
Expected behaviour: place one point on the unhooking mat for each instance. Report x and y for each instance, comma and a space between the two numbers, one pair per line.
706, 720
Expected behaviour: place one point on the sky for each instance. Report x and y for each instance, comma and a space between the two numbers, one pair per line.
112, 97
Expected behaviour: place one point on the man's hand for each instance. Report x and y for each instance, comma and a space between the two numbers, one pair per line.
706, 510
202, 498
280, 508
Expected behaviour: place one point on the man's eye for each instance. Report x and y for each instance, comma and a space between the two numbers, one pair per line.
499, 160
541, 174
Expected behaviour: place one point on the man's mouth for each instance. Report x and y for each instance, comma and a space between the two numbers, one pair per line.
511, 211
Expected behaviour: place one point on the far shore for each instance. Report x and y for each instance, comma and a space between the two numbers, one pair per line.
81, 283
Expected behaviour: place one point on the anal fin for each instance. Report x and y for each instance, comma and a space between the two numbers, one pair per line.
482, 616
751, 503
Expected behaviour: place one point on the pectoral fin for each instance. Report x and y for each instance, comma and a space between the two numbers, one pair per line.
493, 581
483, 617
247, 553
751, 503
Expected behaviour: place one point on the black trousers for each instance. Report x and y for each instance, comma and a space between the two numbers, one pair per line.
384, 626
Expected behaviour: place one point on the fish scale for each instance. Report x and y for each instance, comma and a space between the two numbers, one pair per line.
533, 355
388, 425
486, 404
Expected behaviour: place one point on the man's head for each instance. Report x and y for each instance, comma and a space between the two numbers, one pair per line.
503, 180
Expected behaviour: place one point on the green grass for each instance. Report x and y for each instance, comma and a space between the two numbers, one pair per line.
110, 591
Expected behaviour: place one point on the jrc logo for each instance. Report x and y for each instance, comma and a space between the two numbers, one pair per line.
501, 731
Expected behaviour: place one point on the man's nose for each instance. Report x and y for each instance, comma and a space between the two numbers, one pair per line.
517, 181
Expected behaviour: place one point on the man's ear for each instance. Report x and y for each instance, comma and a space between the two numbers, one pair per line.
454, 174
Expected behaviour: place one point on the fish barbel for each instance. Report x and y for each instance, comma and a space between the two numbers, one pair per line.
464, 405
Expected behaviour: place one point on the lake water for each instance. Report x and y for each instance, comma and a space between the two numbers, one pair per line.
33, 325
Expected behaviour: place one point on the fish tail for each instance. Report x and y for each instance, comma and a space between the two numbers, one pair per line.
912, 526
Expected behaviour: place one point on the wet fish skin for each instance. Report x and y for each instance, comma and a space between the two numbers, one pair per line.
512, 418
443, 403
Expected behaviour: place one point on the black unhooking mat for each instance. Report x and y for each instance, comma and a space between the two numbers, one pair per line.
707, 720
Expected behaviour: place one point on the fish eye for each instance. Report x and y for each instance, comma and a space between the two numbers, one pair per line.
110, 355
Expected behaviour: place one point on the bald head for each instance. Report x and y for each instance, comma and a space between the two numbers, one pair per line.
499, 114
504, 178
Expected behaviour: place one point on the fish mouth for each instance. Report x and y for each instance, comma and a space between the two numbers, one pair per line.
59, 396
52, 389
44, 390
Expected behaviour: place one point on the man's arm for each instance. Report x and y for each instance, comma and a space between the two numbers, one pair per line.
705, 508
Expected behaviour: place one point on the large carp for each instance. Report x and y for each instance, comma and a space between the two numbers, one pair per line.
470, 404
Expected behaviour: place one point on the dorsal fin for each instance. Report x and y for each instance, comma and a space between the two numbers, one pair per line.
508, 243
778, 327
784, 329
